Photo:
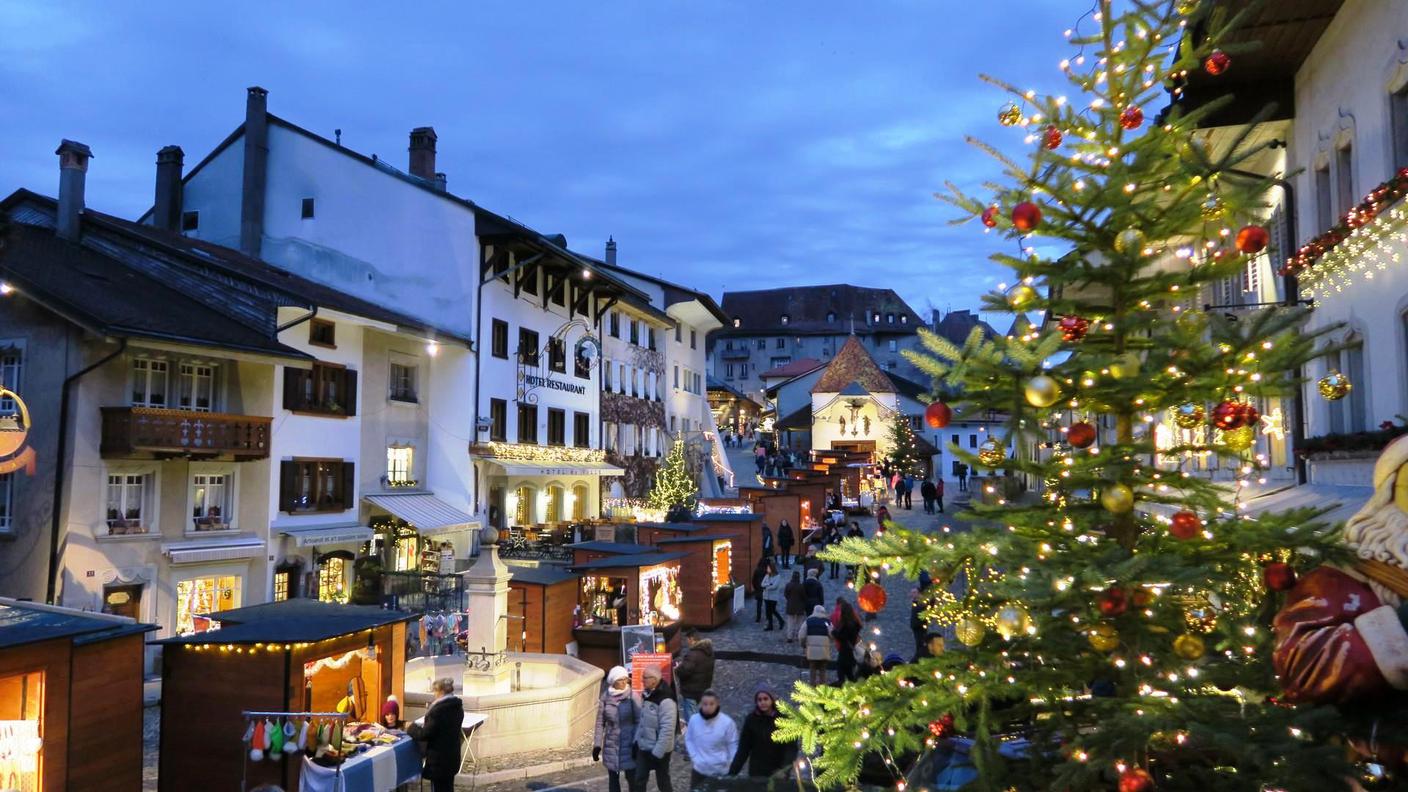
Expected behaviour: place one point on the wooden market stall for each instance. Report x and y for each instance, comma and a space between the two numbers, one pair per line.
707, 578
297, 655
593, 550
624, 590
70, 699
541, 604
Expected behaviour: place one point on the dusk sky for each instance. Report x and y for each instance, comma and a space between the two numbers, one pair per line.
725, 144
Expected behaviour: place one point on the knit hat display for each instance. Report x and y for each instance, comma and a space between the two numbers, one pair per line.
256, 742
276, 740
290, 737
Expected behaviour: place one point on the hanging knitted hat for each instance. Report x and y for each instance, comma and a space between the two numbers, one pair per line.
256, 742
290, 737
276, 741
303, 739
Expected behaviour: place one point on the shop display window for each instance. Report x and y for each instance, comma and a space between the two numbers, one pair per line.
22, 732
334, 577
198, 597
723, 564
660, 595
604, 599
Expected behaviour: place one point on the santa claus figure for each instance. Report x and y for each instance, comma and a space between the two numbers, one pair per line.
1342, 635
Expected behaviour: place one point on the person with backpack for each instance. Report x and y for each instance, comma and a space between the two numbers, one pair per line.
755, 746
655, 731
785, 539
815, 637
795, 599
614, 738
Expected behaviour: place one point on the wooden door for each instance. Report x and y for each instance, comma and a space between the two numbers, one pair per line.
123, 600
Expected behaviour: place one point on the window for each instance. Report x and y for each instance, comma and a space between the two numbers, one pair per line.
650, 338
679, 333
762, 343
527, 423
11, 362
1324, 200
783, 319
527, 346
129, 498
325, 389
498, 420
196, 387
1344, 178
557, 354
694, 339
322, 333
635, 332
672, 424
190, 221
197, 597
400, 462
728, 371
581, 430
1348, 414
955, 442
737, 322
781, 343
149, 382
614, 322
307, 208
316, 485
894, 345
904, 318
830, 316
333, 577
558, 294
579, 502
779, 362
403, 382
498, 339
530, 281
609, 439
972, 441
608, 375
557, 427
210, 501
728, 344
677, 376
7, 502
1398, 114
875, 318
743, 370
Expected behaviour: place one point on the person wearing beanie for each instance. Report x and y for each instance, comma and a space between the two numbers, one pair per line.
614, 737
815, 637
712, 740
391, 713
755, 746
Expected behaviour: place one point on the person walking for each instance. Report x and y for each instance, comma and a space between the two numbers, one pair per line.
694, 672
939, 493
928, 493
760, 574
815, 593
794, 596
655, 733
439, 729
815, 637
760, 457
711, 738
785, 539
772, 594
614, 738
845, 628
909, 491
755, 746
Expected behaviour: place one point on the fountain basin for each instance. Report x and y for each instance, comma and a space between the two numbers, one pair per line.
550, 704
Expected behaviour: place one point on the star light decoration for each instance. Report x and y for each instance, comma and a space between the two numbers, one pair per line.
1273, 424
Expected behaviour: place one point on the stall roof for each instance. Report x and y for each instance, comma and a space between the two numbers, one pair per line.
732, 516
686, 539
618, 548
29, 622
545, 575
292, 620
671, 526
622, 562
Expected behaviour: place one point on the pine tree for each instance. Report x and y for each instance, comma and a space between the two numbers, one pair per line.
903, 455
1084, 622
674, 484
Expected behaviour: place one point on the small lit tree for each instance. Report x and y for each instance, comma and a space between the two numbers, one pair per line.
904, 455
674, 484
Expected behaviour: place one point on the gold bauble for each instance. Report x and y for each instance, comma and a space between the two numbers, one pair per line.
1009, 115
1117, 498
1104, 637
1021, 296
1130, 240
991, 452
1213, 208
970, 631
1011, 621
1239, 439
1125, 366
1334, 386
1189, 646
1187, 7
1189, 416
1042, 391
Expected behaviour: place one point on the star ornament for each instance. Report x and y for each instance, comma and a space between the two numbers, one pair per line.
1273, 424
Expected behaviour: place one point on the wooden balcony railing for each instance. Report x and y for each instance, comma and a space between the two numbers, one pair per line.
150, 432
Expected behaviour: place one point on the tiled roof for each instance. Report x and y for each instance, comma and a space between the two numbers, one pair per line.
793, 369
807, 309
853, 364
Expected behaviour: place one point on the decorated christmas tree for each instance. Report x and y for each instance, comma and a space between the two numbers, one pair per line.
674, 484
1117, 628
903, 455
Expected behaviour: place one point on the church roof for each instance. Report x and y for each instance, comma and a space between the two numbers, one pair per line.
853, 364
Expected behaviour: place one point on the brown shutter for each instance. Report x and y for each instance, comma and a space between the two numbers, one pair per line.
293, 388
349, 390
349, 485
288, 481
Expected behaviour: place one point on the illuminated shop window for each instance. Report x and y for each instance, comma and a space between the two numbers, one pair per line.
196, 598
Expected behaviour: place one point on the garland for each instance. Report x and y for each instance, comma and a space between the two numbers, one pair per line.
1379, 199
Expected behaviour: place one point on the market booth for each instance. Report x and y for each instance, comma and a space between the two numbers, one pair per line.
706, 578
541, 602
70, 699
624, 590
284, 661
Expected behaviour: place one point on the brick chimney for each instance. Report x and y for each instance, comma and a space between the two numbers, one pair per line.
611, 250
73, 173
256, 171
423, 153
166, 210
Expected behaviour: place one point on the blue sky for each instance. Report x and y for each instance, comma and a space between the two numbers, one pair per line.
725, 144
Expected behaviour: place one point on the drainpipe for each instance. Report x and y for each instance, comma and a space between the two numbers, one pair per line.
59, 468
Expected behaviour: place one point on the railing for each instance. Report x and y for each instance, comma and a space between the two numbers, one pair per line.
423, 592
133, 431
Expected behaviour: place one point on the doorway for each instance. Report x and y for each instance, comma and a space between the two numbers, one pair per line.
125, 600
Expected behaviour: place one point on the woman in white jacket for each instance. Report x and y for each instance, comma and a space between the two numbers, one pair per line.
712, 739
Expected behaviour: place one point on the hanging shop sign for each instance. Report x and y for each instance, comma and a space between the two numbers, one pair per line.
15, 452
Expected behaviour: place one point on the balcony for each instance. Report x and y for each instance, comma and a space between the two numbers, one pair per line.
736, 354
155, 433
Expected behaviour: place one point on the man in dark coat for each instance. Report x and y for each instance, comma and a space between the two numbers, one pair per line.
694, 672
927, 492
440, 729
814, 591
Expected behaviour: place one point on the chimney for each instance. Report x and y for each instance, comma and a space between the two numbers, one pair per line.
611, 250
440, 180
73, 171
256, 171
166, 210
423, 153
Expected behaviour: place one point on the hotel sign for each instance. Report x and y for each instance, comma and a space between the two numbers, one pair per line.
537, 381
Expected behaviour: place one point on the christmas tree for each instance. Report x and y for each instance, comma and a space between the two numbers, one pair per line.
903, 455
674, 484
1120, 622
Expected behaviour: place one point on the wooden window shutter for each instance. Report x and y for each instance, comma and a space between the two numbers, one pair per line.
293, 388
288, 483
349, 390
349, 485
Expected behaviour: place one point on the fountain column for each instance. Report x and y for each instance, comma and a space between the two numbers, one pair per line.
486, 589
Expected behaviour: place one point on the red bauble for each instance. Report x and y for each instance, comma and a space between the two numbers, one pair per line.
1229, 415
1026, 216
1131, 117
1250, 415
1113, 602
1051, 138
1081, 435
1217, 62
1278, 576
1141, 598
1185, 525
937, 415
1136, 779
943, 727
871, 597
990, 216
1252, 239
1073, 328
